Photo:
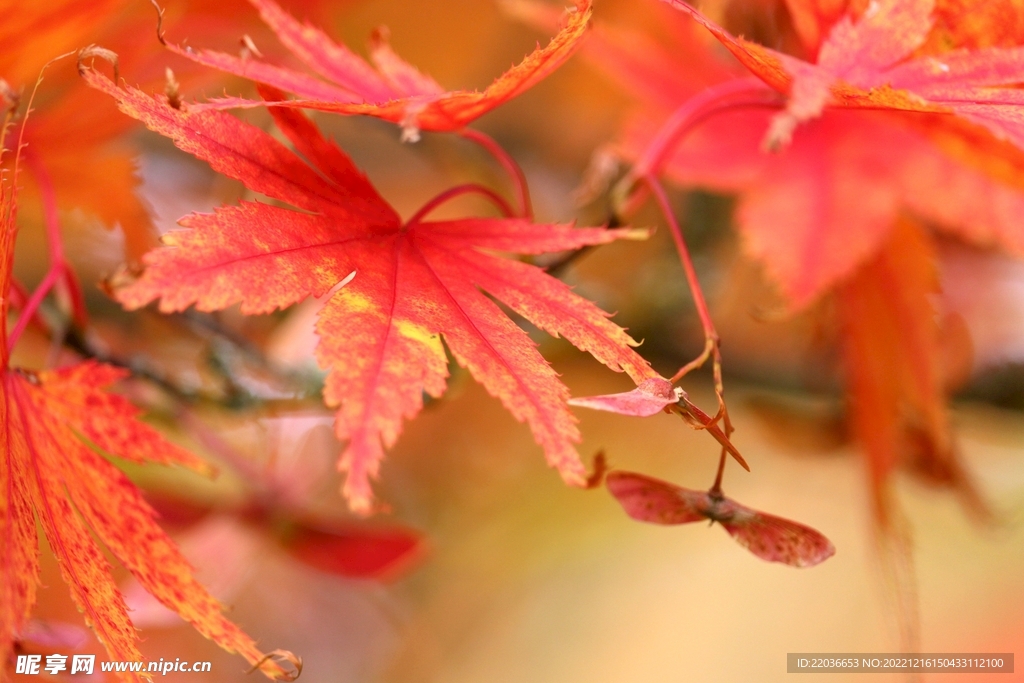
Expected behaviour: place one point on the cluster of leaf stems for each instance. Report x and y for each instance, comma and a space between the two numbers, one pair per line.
642, 181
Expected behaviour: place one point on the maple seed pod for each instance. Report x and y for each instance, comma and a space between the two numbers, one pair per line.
769, 537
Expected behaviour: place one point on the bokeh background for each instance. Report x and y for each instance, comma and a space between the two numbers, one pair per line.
519, 578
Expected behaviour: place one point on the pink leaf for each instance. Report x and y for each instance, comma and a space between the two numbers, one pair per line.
650, 398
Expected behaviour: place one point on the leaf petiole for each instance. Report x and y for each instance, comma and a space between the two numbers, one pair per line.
59, 271
508, 163
459, 190
711, 344
58, 265
696, 417
738, 93
711, 339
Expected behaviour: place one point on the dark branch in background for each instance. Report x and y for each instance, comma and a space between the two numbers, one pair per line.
234, 396
560, 265
208, 325
558, 268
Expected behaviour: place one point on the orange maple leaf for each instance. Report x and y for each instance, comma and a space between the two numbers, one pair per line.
32, 36
56, 427
36, 33
405, 284
891, 341
391, 89
814, 211
957, 23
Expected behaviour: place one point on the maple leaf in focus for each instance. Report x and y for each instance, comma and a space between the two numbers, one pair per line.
390, 89
56, 426
405, 285
769, 537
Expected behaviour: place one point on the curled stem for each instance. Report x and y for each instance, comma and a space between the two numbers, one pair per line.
159, 22
58, 266
711, 340
626, 197
268, 664
515, 173
738, 93
458, 190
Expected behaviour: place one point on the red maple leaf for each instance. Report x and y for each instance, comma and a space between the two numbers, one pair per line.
276, 510
390, 89
816, 210
870, 62
56, 426
769, 537
405, 284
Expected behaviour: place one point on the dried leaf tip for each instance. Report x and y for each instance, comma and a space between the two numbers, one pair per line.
159, 22
269, 667
172, 89
93, 51
249, 47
